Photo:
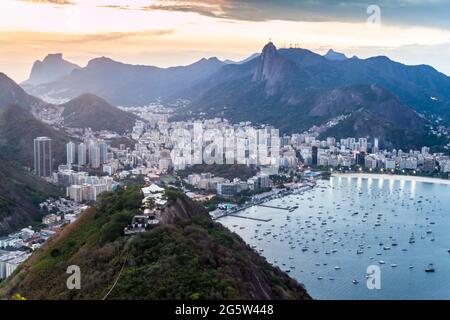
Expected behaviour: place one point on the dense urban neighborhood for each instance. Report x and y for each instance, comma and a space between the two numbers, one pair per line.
98, 162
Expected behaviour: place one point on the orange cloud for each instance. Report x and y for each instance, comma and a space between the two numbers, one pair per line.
60, 2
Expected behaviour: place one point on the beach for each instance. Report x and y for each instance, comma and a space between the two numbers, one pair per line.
392, 177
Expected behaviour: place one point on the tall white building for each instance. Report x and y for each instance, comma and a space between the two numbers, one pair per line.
94, 154
43, 156
71, 152
82, 154
103, 151
376, 146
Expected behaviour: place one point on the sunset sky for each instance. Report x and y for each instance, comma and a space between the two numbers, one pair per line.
166, 33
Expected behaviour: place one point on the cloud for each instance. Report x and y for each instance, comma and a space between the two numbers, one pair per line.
111, 6
431, 13
59, 2
114, 36
21, 48
44, 38
400, 12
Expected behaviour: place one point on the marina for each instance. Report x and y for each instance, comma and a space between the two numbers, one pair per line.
344, 225
262, 200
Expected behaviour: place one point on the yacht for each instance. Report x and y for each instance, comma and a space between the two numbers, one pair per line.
430, 268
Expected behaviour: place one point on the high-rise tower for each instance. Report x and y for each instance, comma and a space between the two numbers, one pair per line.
43, 156
71, 152
82, 154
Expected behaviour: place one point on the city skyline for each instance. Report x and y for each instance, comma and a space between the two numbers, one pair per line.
168, 33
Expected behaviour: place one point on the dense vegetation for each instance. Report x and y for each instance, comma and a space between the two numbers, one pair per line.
188, 256
18, 129
20, 191
20, 194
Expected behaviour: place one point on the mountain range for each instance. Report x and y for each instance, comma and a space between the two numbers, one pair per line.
84, 111
127, 85
292, 89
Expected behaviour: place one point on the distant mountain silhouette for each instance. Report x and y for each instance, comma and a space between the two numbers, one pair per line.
52, 68
251, 57
128, 85
333, 55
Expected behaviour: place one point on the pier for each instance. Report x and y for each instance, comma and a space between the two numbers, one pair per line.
272, 207
250, 218
261, 202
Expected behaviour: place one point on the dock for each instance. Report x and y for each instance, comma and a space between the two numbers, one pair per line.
250, 218
261, 202
272, 207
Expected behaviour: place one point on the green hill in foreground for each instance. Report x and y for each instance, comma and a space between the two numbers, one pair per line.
188, 256
20, 194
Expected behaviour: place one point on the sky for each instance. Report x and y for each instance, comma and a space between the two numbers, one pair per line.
179, 32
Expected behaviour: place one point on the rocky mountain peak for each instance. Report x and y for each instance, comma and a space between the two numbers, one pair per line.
267, 62
53, 57
51, 68
334, 55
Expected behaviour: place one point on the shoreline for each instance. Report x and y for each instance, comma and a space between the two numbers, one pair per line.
381, 176
273, 196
